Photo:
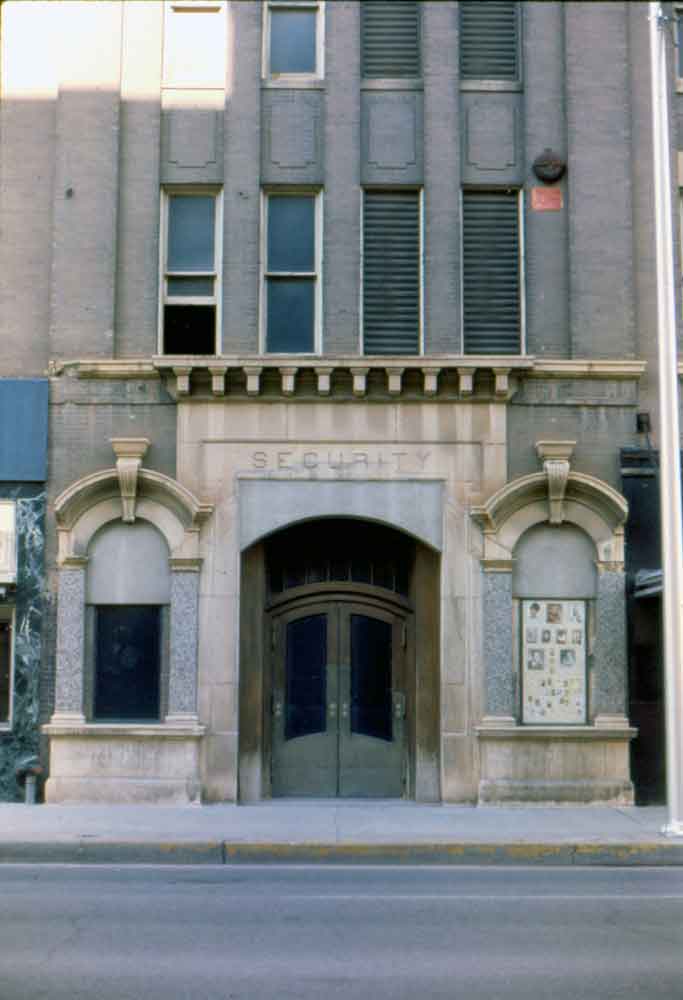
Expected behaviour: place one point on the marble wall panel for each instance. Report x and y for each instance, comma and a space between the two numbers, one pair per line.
182, 685
500, 680
23, 738
609, 659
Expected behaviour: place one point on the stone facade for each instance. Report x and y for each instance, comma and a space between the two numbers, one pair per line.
242, 444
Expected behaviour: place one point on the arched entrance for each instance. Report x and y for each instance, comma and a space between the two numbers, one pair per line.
336, 674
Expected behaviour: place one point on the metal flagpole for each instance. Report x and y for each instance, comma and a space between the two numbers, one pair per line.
669, 440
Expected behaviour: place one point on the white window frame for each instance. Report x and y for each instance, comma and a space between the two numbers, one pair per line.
292, 78
8, 613
522, 275
421, 231
317, 275
216, 299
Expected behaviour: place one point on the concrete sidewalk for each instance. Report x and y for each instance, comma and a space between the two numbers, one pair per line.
337, 831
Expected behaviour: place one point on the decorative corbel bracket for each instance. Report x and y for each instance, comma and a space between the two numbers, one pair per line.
555, 456
129, 454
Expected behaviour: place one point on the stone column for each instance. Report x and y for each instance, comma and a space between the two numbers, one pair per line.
182, 684
500, 686
608, 694
70, 644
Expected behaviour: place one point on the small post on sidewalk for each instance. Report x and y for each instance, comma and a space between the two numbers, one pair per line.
669, 439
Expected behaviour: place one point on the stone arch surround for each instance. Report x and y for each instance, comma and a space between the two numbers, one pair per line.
554, 763
111, 762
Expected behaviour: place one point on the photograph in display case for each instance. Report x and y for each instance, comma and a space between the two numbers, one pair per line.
553, 662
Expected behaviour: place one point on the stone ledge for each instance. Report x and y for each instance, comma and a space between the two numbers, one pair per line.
545, 733
444, 377
125, 730
116, 790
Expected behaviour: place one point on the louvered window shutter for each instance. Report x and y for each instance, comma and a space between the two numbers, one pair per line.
390, 38
489, 40
491, 272
391, 272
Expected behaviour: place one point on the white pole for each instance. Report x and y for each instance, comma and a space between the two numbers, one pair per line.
669, 440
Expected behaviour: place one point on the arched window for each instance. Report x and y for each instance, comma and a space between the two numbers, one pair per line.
128, 593
554, 587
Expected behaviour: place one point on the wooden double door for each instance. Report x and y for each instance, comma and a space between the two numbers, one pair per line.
338, 705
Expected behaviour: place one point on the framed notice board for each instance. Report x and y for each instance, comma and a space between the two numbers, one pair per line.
553, 662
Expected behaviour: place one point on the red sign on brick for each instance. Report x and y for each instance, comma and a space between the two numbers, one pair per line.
546, 199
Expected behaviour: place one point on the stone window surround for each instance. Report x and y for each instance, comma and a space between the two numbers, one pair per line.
553, 496
123, 493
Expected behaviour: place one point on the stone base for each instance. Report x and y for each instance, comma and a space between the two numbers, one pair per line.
555, 793
555, 765
155, 764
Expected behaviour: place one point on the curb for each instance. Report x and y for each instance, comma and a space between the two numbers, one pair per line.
91, 851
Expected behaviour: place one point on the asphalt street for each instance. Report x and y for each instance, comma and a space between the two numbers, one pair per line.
224, 932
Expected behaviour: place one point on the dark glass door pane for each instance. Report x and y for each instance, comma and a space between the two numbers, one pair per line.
371, 677
305, 677
127, 662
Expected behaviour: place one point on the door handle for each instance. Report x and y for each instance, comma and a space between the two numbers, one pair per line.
399, 705
332, 710
345, 710
277, 709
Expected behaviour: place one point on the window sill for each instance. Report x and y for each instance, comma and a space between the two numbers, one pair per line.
492, 86
126, 730
392, 83
293, 83
560, 731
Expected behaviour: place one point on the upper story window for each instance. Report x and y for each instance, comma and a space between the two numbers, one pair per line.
493, 301
194, 44
293, 39
292, 289
489, 40
392, 272
191, 263
390, 39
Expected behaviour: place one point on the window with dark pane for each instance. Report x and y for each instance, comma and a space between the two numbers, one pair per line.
336, 550
291, 274
390, 39
5, 669
489, 40
127, 662
190, 280
391, 272
293, 41
306, 677
491, 272
371, 677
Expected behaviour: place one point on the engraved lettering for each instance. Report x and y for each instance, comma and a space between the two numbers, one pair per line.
398, 455
259, 459
422, 457
310, 460
335, 465
282, 459
360, 458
